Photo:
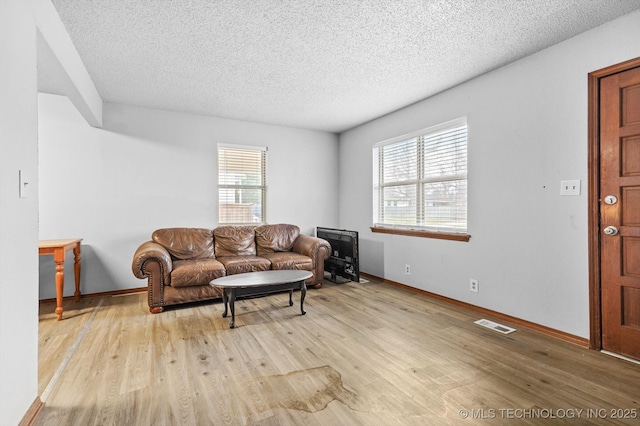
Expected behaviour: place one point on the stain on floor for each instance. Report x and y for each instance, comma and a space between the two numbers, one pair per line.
309, 390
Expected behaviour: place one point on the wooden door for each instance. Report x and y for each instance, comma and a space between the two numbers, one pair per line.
620, 212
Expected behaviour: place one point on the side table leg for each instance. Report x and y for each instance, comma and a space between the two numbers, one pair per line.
59, 287
303, 293
76, 269
232, 303
291, 297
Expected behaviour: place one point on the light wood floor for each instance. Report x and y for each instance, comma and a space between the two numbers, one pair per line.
365, 354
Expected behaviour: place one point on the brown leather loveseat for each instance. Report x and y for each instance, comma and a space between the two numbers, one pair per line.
179, 263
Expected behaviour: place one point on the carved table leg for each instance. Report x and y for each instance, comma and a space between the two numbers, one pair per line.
225, 300
58, 257
76, 269
232, 303
303, 293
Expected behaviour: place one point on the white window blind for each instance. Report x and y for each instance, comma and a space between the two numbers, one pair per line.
241, 184
420, 180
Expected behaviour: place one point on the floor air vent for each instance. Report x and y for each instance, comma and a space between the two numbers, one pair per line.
495, 326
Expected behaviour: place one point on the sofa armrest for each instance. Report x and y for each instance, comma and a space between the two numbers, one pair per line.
315, 248
153, 261
151, 251
318, 250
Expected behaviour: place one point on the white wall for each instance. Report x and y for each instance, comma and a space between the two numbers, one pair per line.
527, 132
18, 217
25, 27
148, 169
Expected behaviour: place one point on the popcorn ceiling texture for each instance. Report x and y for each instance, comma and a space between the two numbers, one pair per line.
324, 65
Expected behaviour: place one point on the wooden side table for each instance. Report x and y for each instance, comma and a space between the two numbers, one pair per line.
59, 248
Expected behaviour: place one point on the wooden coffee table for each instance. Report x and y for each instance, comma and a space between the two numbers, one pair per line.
262, 282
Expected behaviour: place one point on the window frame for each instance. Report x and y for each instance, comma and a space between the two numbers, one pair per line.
418, 183
227, 186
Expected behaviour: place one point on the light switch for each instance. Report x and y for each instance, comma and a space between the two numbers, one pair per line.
570, 187
25, 186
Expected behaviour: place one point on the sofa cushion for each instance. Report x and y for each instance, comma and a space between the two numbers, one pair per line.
234, 241
186, 243
289, 260
274, 238
242, 264
188, 273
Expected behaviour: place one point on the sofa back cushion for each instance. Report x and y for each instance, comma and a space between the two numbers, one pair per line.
276, 238
186, 243
234, 241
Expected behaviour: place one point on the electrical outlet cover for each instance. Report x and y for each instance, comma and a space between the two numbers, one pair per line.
570, 187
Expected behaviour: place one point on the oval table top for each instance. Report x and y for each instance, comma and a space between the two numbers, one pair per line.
262, 278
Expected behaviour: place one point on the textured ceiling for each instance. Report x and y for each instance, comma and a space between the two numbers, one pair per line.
325, 65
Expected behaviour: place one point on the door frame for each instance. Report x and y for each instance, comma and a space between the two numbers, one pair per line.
595, 286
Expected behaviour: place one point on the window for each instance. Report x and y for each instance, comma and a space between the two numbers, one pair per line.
241, 184
420, 181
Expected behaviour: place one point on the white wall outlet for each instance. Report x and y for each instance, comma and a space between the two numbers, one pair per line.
407, 269
570, 187
473, 285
